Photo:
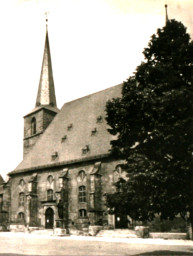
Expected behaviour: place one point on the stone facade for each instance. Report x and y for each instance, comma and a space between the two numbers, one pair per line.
81, 188
35, 124
67, 168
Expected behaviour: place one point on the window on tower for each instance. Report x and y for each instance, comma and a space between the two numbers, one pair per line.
33, 126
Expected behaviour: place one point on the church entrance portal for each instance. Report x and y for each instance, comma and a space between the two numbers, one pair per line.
121, 221
49, 215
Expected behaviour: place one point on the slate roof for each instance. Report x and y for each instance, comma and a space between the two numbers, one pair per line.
46, 91
77, 133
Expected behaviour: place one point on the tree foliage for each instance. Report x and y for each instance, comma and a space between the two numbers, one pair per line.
153, 121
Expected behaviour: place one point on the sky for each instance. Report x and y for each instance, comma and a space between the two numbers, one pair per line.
95, 44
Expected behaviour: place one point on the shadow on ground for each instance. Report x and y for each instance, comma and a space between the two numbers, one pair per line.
160, 253
16, 254
156, 253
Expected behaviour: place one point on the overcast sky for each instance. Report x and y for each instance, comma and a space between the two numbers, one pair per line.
94, 44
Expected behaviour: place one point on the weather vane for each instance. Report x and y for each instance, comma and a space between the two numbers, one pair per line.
46, 14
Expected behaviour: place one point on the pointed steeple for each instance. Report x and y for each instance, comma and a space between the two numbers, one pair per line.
46, 92
36, 122
166, 13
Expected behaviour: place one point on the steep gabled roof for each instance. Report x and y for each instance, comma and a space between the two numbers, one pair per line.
78, 132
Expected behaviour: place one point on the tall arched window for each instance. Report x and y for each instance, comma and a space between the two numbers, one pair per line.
50, 195
21, 199
22, 183
82, 175
33, 126
21, 217
50, 179
82, 194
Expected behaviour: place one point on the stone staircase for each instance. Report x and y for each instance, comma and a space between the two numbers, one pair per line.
119, 233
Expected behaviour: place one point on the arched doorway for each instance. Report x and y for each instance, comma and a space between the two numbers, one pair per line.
121, 221
49, 215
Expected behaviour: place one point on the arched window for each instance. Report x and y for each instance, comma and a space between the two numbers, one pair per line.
21, 217
50, 179
21, 199
82, 175
33, 126
22, 183
82, 213
119, 170
82, 194
50, 195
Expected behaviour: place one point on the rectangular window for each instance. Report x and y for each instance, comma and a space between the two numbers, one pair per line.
82, 213
82, 194
21, 199
50, 195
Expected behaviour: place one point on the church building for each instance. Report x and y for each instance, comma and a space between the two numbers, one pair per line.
67, 167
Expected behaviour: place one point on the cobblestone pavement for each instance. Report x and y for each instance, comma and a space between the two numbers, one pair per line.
15, 244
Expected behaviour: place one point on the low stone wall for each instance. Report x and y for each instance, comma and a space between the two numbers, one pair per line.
142, 231
163, 235
17, 227
3, 228
93, 230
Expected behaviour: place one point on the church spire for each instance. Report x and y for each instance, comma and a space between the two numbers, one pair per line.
46, 91
166, 13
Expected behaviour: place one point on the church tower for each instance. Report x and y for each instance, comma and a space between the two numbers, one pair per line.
45, 109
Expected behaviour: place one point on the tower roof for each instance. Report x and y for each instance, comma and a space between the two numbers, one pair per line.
46, 92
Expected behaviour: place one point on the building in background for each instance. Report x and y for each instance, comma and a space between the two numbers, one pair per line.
4, 204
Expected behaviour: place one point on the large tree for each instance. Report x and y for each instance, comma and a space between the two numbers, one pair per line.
153, 121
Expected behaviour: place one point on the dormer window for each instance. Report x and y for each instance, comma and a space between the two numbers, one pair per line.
94, 131
70, 127
54, 155
86, 149
33, 126
63, 139
99, 119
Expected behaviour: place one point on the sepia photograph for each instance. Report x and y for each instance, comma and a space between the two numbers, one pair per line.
96, 127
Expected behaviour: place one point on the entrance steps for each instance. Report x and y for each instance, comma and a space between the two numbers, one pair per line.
127, 233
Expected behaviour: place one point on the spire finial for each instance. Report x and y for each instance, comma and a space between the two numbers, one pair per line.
46, 14
166, 6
